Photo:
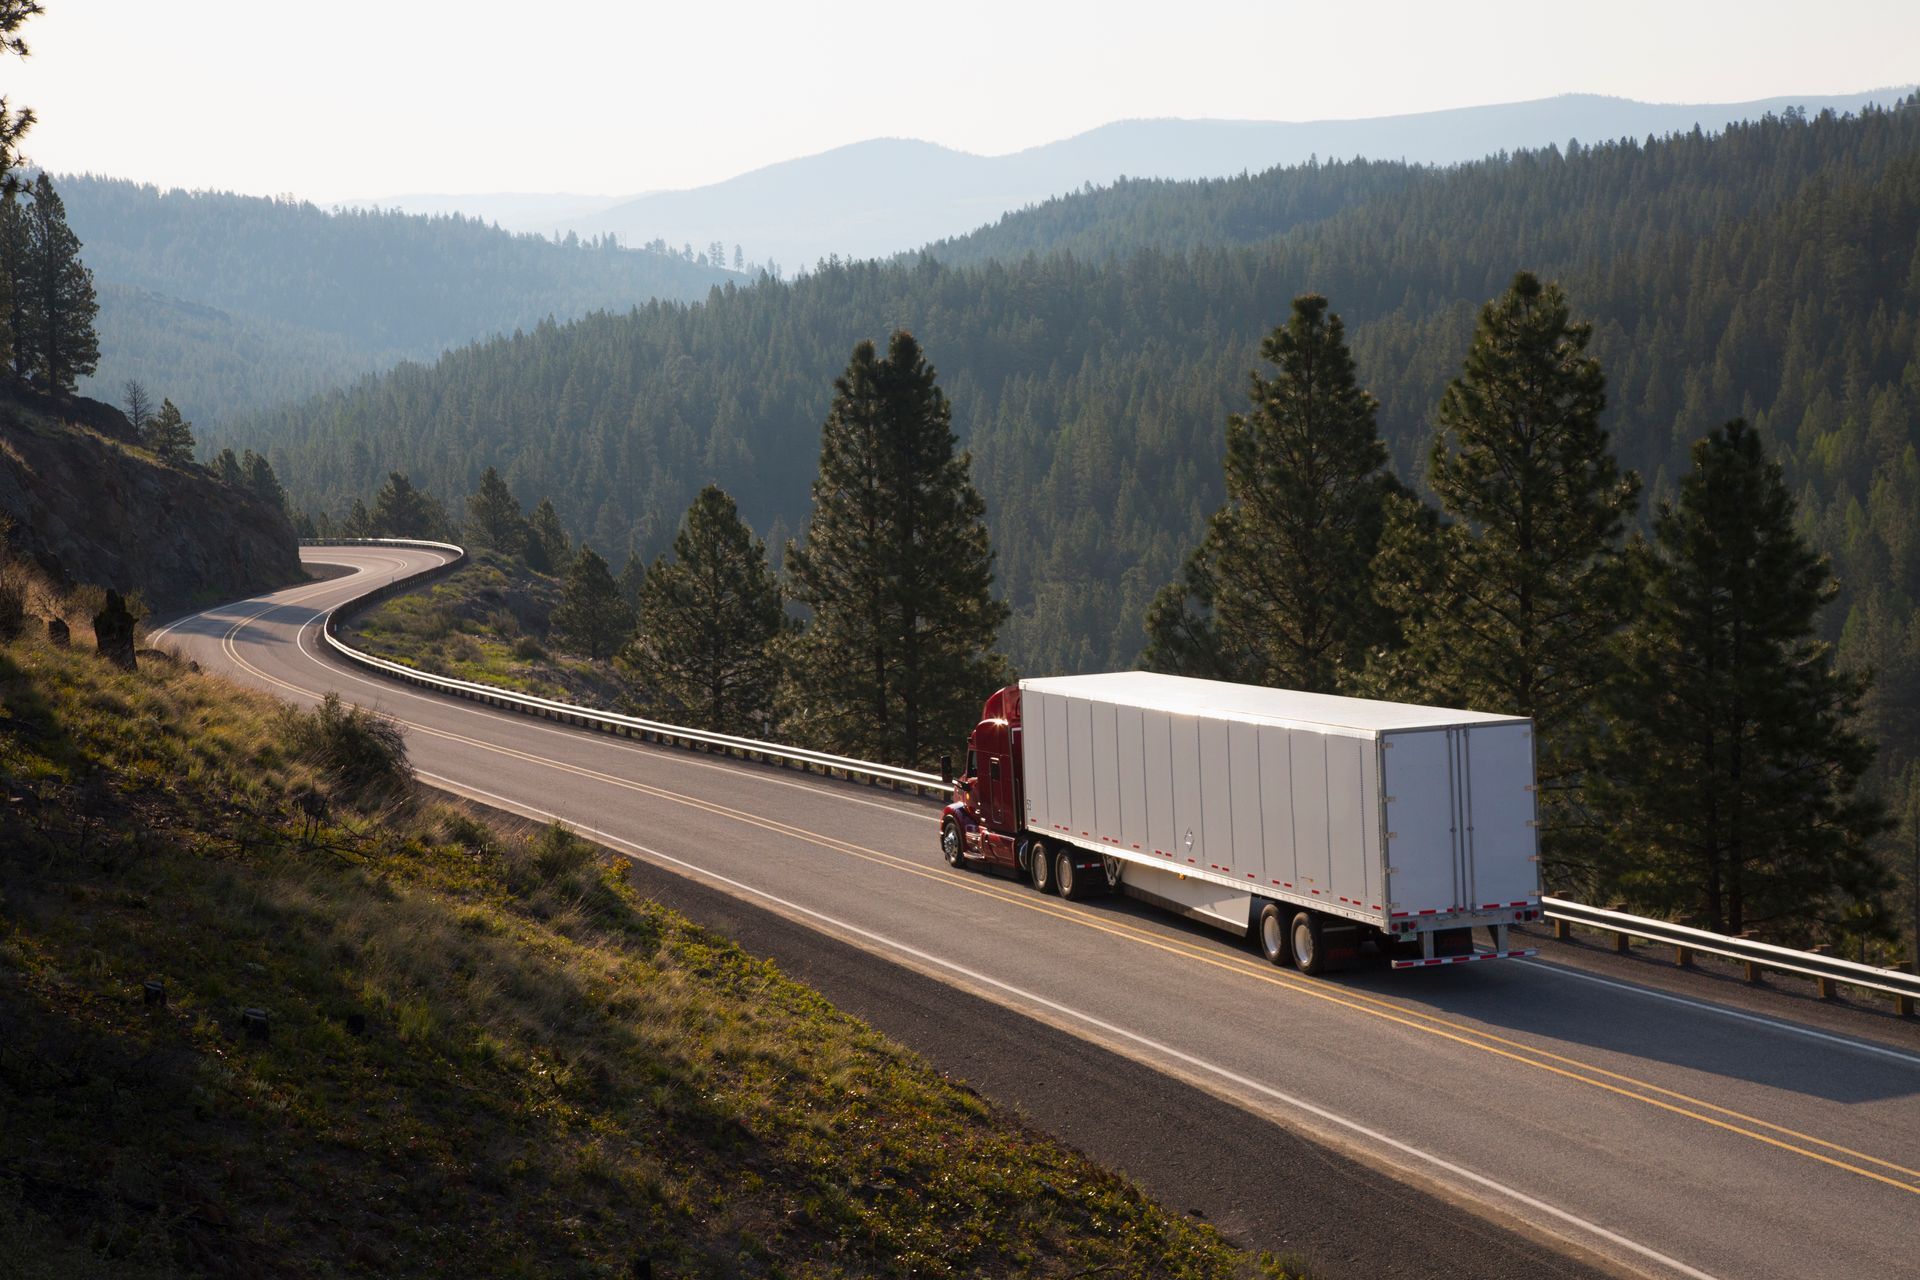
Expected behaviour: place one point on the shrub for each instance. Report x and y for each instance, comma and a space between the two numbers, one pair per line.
362, 751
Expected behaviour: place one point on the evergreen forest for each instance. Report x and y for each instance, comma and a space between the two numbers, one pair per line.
1768, 273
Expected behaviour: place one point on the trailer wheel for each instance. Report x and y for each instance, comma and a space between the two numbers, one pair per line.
1040, 866
951, 845
1309, 951
1067, 878
1270, 931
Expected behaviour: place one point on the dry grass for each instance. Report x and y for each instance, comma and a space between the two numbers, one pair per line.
486, 1055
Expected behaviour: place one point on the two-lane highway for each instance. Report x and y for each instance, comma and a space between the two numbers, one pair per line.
1671, 1135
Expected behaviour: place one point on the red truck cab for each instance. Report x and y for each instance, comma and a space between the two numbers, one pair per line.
985, 823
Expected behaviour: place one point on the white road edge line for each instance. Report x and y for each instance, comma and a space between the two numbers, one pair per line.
1547, 966
633, 849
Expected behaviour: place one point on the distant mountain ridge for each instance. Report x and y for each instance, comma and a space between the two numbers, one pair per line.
227, 303
888, 195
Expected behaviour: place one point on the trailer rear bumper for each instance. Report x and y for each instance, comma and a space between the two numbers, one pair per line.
1422, 962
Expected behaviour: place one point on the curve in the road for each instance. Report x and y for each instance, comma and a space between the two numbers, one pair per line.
255, 636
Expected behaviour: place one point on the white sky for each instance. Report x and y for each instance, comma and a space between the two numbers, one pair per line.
599, 96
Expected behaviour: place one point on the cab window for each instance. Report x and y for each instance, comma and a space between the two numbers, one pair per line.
973, 764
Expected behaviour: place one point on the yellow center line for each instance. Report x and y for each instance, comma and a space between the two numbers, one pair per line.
1418, 1020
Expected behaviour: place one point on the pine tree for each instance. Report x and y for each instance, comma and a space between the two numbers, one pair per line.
402, 511
1284, 570
493, 516
13, 124
226, 468
633, 576
548, 549
1728, 787
357, 523
59, 299
258, 478
591, 617
708, 620
170, 436
1512, 607
896, 569
14, 327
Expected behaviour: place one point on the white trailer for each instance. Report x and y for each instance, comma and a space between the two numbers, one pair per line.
1313, 822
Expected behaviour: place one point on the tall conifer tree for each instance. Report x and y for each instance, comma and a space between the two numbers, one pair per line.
59, 305
1512, 606
548, 548
591, 617
402, 511
170, 436
709, 617
896, 569
493, 516
1280, 591
1728, 787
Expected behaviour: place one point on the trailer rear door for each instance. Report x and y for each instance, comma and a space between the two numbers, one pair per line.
1460, 817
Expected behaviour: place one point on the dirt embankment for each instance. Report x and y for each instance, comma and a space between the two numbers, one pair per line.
92, 507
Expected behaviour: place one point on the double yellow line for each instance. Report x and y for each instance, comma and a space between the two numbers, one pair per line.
1621, 1085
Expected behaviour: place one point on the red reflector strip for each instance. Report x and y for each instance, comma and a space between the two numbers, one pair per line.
1429, 911
1478, 955
1399, 914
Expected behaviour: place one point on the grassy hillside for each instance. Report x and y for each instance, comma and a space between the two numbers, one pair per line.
483, 1055
489, 621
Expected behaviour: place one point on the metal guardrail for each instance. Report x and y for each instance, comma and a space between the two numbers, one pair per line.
587, 717
1758, 957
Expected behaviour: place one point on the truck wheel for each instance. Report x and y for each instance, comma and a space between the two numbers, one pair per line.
1067, 878
1270, 931
1040, 866
1309, 952
951, 845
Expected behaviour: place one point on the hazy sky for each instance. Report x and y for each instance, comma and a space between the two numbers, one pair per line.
404, 96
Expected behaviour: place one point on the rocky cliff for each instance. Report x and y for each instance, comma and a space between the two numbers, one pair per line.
91, 507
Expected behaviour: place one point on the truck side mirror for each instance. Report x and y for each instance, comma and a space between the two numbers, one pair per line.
946, 770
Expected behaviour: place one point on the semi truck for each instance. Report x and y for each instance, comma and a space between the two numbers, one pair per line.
1311, 824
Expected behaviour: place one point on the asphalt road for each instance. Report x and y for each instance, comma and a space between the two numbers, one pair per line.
1520, 1118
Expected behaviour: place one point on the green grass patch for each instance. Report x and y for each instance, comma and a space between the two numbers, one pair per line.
485, 1054
487, 622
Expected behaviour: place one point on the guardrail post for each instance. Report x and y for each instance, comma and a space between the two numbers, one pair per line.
1683, 957
1562, 930
1621, 941
1822, 984
1755, 974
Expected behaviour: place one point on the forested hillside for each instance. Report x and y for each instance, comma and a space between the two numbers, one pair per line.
227, 303
1770, 271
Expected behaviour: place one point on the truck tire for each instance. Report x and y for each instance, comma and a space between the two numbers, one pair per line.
1040, 866
1270, 932
1309, 949
1067, 878
951, 846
